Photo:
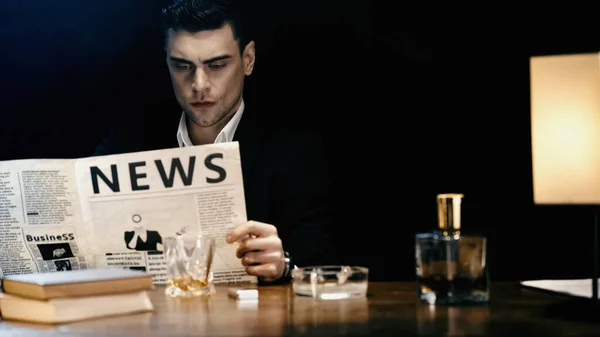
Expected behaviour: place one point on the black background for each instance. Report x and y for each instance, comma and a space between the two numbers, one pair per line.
414, 101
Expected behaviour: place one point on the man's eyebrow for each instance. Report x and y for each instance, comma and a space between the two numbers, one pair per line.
216, 58
210, 60
180, 60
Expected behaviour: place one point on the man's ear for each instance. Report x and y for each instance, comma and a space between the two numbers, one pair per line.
249, 57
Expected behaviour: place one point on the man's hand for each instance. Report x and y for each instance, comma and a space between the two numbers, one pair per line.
260, 249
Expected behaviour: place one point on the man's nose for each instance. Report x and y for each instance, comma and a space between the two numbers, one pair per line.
200, 82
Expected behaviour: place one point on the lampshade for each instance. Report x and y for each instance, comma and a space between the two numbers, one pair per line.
565, 128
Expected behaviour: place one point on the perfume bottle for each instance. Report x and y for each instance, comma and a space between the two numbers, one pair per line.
451, 266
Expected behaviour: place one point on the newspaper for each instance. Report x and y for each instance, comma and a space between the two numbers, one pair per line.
571, 287
114, 211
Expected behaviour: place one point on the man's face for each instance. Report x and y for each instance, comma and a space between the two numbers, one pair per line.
207, 72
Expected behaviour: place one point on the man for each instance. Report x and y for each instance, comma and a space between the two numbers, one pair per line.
209, 55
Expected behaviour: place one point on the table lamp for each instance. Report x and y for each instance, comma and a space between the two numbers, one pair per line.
565, 135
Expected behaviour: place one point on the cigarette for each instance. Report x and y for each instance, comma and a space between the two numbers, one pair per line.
243, 294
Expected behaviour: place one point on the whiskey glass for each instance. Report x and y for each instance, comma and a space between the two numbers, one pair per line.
189, 259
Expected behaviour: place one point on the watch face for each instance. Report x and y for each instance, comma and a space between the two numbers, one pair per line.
287, 273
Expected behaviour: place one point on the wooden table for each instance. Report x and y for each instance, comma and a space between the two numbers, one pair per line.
390, 309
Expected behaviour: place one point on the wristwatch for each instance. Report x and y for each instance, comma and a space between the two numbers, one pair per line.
287, 271
287, 275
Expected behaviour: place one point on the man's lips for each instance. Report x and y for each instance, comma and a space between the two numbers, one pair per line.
202, 104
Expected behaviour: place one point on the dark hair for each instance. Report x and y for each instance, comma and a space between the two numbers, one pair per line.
198, 15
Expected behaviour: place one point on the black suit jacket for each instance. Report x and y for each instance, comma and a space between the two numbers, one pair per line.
286, 179
153, 238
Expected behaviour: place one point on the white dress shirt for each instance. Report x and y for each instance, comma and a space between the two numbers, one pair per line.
226, 135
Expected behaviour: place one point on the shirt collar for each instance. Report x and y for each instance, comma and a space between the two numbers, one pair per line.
226, 134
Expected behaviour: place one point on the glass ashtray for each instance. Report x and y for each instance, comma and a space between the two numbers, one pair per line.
331, 282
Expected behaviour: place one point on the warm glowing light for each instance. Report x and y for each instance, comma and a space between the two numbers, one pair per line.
565, 128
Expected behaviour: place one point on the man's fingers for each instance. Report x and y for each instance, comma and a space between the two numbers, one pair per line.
256, 258
272, 243
251, 228
260, 249
267, 271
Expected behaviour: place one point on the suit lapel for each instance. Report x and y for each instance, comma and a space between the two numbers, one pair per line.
250, 135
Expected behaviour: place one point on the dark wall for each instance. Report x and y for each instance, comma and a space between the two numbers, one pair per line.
455, 118
63, 66
415, 103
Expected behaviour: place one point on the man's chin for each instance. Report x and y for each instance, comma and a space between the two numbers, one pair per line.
198, 121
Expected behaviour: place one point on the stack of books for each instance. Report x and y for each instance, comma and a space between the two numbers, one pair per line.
70, 296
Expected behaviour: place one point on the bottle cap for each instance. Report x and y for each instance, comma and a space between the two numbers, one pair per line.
449, 205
